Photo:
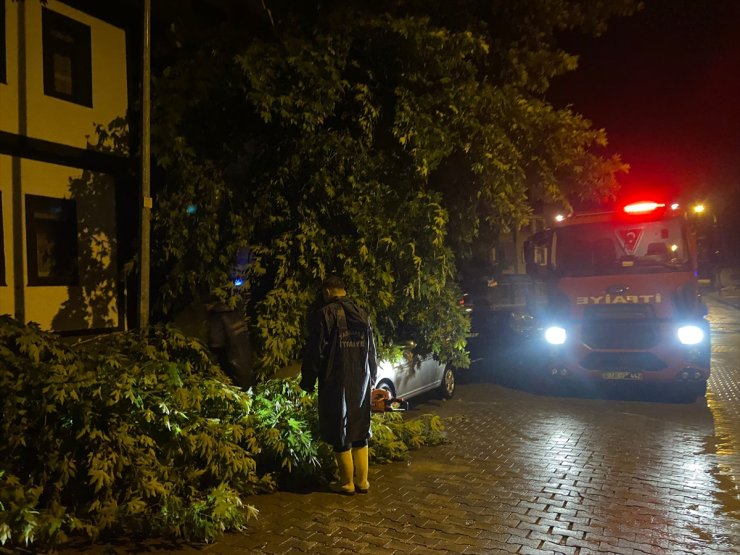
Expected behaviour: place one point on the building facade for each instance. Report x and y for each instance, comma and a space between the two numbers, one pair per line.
507, 254
64, 71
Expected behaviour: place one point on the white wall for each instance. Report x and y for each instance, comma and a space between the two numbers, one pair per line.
92, 303
54, 119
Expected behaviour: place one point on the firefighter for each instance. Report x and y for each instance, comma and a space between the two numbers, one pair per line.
340, 354
228, 339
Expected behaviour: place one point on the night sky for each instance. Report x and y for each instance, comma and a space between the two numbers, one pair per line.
665, 83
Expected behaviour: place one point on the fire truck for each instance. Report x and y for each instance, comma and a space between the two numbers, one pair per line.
622, 302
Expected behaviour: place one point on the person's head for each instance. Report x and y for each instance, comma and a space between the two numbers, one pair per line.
333, 286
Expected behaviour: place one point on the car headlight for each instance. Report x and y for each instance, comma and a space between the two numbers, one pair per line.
690, 335
555, 335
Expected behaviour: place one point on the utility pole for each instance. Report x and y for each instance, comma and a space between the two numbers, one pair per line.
146, 199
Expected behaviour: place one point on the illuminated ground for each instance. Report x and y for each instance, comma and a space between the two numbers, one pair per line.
526, 473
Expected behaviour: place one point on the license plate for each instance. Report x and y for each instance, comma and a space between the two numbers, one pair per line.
621, 375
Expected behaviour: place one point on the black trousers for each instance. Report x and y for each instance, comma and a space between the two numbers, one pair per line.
343, 448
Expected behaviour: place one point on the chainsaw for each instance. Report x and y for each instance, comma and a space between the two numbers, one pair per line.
381, 401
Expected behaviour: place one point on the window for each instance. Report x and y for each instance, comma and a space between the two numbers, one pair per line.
67, 58
2, 242
51, 241
3, 67
606, 248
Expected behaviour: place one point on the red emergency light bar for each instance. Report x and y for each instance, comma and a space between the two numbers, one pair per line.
643, 207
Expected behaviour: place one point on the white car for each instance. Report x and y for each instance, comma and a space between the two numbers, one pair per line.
411, 376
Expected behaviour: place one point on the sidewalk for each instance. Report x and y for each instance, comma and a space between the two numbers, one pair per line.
729, 300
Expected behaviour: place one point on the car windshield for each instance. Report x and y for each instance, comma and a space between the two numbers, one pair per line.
606, 248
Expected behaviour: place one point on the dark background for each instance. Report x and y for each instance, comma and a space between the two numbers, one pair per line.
665, 83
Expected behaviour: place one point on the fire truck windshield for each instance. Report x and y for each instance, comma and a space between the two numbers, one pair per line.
605, 248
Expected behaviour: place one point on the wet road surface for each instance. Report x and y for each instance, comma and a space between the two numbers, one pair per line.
530, 473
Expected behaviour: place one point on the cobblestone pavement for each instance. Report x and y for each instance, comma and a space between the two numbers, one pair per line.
723, 396
525, 473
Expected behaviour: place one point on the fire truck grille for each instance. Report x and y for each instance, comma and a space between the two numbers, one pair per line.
619, 312
623, 361
620, 335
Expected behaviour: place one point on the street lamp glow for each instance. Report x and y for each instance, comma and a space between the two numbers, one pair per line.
698, 208
559, 218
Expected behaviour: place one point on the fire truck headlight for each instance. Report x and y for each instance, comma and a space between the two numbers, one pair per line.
555, 335
690, 335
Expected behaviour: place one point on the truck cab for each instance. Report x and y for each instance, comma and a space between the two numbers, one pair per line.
623, 302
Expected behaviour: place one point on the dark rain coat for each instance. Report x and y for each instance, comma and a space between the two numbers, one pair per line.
228, 338
340, 354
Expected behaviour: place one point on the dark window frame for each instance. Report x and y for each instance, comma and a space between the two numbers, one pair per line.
3, 47
78, 49
68, 210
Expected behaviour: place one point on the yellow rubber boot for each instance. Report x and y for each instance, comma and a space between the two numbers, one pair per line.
360, 460
346, 484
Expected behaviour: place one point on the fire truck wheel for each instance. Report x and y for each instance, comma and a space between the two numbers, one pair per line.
447, 387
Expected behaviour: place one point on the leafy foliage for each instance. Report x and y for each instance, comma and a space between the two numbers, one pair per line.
394, 436
135, 433
288, 424
142, 434
371, 140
